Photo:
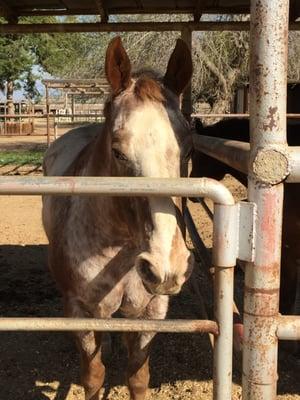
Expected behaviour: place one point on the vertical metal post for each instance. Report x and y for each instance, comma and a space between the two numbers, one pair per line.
48, 115
55, 129
186, 105
267, 169
225, 239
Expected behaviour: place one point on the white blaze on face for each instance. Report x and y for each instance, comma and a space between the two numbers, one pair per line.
164, 224
155, 151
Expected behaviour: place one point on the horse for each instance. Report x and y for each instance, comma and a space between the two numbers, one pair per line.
122, 254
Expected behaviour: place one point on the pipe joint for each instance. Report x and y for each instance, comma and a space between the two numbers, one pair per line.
271, 165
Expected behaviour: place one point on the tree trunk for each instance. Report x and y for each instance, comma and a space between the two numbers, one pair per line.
9, 97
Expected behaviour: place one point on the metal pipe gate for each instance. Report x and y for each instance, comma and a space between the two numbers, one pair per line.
269, 162
248, 231
225, 252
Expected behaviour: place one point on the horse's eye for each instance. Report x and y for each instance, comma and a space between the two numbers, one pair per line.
119, 155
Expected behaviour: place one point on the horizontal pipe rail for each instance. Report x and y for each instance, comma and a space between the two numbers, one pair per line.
234, 115
294, 162
77, 115
224, 116
111, 325
203, 115
288, 327
236, 154
116, 186
129, 27
51, 115
231, 152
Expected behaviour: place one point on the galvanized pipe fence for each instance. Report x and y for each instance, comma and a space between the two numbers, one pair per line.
224, 259
269, 162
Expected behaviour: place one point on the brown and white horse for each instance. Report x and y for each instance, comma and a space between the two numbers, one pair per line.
111, 254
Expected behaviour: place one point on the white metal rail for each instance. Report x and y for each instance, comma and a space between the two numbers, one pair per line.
224, 258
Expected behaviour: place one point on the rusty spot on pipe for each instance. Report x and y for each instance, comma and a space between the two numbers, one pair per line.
272, 120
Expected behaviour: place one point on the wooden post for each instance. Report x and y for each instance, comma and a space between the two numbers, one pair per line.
20, 119
72, 106
186, 104
66, 100
32, 119
48, 115
55, 129
5, 120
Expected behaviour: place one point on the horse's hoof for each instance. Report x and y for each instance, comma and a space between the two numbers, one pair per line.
91, 395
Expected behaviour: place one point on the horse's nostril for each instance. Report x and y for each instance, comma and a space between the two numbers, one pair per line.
146, 269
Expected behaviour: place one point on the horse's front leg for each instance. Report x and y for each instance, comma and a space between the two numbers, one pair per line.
89, 346
138, 346
92, 368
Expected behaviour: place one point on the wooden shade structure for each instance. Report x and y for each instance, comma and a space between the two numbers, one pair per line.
14, 9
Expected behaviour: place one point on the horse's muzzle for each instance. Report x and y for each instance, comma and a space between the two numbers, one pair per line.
157, 281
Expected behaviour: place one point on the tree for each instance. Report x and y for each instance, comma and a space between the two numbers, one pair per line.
86, 60
22, 52
222, 60
15, 64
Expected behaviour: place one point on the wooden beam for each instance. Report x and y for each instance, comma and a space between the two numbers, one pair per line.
8, 12
133, 10
198, 10
77, 83
100, 6
123, 27
130, 27
89, 93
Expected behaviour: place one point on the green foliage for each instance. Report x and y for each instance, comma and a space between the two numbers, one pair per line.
21, 157
16, 60
55, 53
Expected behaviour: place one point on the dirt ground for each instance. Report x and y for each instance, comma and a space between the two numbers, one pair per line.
40, 366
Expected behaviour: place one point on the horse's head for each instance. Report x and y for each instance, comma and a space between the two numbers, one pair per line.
151, 138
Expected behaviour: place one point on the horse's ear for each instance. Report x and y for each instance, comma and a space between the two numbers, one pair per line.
180, 68
117, 66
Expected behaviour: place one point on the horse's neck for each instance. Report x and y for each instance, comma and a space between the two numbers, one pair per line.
98, 162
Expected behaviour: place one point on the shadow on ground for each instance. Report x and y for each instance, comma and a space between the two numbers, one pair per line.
31, 361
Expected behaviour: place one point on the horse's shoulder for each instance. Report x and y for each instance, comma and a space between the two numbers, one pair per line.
63, 152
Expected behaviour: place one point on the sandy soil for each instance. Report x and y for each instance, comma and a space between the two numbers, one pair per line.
40, 366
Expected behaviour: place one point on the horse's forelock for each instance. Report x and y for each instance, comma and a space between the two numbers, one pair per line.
146, 88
